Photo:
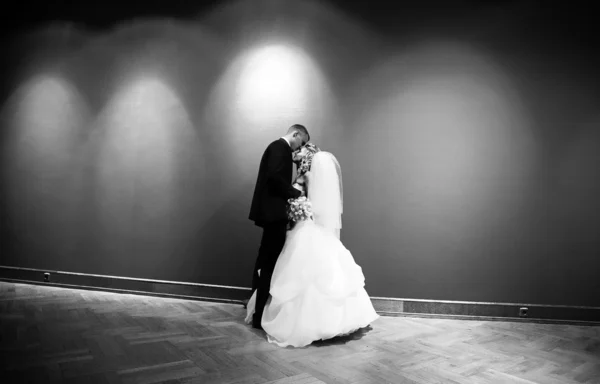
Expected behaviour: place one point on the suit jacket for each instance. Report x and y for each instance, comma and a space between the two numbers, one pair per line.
273, 185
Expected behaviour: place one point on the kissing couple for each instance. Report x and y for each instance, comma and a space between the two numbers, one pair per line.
306, 284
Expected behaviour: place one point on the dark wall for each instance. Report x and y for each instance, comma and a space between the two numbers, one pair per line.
469, 139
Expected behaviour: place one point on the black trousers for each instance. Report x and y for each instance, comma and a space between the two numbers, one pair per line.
271, 244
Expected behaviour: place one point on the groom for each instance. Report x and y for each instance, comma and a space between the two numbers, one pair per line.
273, 189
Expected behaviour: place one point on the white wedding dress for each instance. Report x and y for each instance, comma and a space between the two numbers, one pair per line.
317, 289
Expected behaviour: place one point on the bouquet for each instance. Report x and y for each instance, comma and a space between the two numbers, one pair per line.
299, 209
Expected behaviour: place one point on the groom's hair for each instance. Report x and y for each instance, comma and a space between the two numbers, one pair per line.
301, 128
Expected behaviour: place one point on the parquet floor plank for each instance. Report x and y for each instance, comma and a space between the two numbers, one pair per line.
56, 335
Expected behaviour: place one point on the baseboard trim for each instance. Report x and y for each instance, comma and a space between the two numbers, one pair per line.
490, 318
130, 285
467, 310
460, 310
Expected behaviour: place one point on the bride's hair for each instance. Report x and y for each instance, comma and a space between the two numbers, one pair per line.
306, 160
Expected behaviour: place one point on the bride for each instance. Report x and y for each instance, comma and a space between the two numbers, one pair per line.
317, 290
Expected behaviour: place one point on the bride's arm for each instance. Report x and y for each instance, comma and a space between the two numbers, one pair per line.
301, 182
304, 179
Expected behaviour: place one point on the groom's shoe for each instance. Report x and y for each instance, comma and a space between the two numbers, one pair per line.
256, 322
257, 326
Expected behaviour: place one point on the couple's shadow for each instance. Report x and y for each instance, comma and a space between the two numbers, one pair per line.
341, 340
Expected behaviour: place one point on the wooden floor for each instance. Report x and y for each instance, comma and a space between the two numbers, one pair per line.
50, 334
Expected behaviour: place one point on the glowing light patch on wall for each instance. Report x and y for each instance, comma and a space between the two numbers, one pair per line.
273, 82
44, 119
458, 140
460, 128
136, 180
265, 87
262, 93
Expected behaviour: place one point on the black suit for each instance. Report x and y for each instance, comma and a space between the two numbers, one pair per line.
268, 210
